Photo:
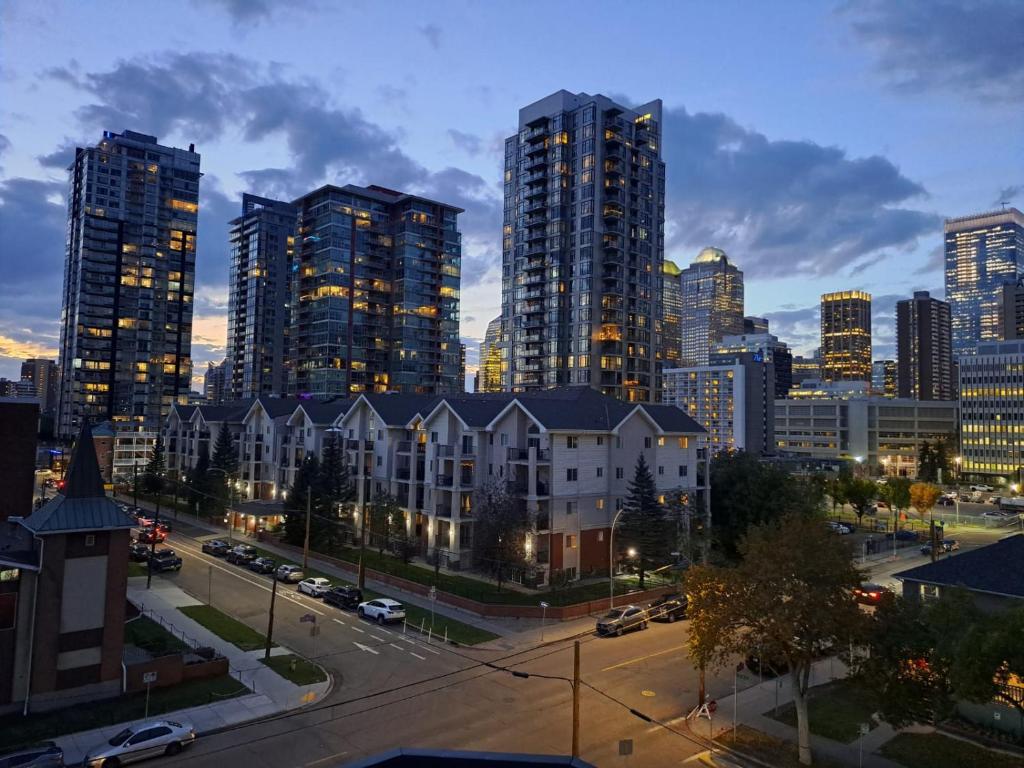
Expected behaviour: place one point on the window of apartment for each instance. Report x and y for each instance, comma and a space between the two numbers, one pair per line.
683, 442
570, 474
351, 433
661, 499
600, 440
433, 437
8, 610
599, 504
661, 442
380, 460
661, 470
380, 434
929, 592
682, 470
90, 540
618, 504
490, 439
504, 439
570, 507
600, 471
379, 488
600, 535
618, 442
570, 541
647, 442
619, 473
490, 469
571, 441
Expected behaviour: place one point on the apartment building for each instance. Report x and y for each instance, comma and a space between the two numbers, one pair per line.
992, 410
190, 429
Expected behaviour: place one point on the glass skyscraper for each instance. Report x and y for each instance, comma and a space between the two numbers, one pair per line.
583, 245
846, 336
129, 280
671, 317
712, 304
984, 252
493, 358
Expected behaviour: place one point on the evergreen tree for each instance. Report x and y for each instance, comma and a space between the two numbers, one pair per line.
199, 482
225, 456
926, 463
644, 524
155, 467
295, 504
500, 528
336, 493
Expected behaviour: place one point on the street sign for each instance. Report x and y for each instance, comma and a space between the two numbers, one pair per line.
149, 677
544, 605
625, 747
865, 728
314, 630
433, 593
310, 617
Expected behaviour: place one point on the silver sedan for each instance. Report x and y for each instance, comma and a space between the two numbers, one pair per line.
138, 742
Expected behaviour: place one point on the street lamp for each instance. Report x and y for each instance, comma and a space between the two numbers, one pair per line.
631, 553
611, 559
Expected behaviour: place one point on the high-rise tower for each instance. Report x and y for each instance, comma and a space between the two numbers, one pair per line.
712, 297
846, 336
583, 245
671, 316
924, 349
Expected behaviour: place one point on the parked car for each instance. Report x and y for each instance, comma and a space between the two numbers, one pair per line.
138, 552
382, 610
166, 560
262, 565
344, 597
869, 593
243, 554
998, 514
841, 528
905, 534
46, 754
619, 620
314, 586
289, 574
946, 545
946, 501
137, 742
668, 608
766, 667
142, 520
150, 535
164, 525
215, 547
982, 488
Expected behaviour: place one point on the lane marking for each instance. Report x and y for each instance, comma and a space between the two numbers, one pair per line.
357, 629
642, 658
381, 629
339, 621
396, 647
421, 658
378, 639
366, 648
325, 759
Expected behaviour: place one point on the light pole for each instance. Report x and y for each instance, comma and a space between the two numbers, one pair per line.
611, 561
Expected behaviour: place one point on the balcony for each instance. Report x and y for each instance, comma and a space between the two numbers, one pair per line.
402, 473
536, 221
534, 264
535, 133
539, 146
535, 321
444, 481
534, 279
540, 161
537, 205
445, 451
535, 234
543, 521
443, 510
533, 338
466, 478
519, 455
404, 446
538, 191
353, 445
519, 488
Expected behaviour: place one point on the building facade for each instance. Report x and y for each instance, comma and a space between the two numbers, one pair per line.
712, 295
216, 381
45, 378
883, 435
755, 325
924, 348
261, 242
1013, 311
806, 369
672, 316
992, 410
375, 293
493, 359
984, 252
129, 279
583, 246
764, 344
883, 379
846, 336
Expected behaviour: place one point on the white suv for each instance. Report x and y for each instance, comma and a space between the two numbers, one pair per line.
382, 610
982, 488
314, 586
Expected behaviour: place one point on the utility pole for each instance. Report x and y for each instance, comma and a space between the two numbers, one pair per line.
270, 618
576, 699
361, 571
153, 534
135, 484
305, 546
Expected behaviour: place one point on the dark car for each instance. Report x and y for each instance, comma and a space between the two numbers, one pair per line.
138, 552
619, 620
150, 535
164, 525
215, 547
343, 597
668, 608
263, 565
869, 593
44, 755
766, 667
165, 560
946, 545
243, 554
904, 534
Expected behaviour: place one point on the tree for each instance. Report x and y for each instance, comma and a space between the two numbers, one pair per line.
225, 457
790, 596
748, 492
896, 493
155, 467
684, 532
926, 465
335, 491
384, 516
320, 522
199, 482
644, 525
500, 529
860, 493
923, 497
989, 656
835, 488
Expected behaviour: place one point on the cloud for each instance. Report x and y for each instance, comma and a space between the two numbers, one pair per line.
245, 13
5, 143
972, 47
432, 33
780, 206
20, 350
1007, 195
467, 142
61, 157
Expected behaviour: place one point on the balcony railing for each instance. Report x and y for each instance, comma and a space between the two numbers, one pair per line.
523, 454
444, 481
443, 510
445, 451
466, 479
402, 473
405, 446
520, 488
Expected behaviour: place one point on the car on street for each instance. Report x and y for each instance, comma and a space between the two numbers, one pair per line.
314, 586
766, 667
215, 547
624, 619
243, 554
946, 501
998, 514
137, 742
870, 593
263, 565
905, 534
289, 574
150, 535
668, 608
164, 525
165, 560
138, 552
982, 488
383, 610
46, 754
841, 528
946, 545
344, 597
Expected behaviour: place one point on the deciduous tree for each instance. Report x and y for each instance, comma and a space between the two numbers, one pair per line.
923, 497
860, 493
500, 529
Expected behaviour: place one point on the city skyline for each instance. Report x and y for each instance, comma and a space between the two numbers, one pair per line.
889, 187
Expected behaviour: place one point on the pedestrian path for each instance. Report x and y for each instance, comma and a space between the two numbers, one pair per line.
271, 693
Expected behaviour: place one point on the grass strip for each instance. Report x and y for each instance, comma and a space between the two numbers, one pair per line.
225, 627
933, 750
296, 669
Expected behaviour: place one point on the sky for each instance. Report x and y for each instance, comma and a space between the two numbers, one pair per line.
820, 144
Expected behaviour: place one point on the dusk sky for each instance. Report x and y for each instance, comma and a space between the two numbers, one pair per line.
819, 144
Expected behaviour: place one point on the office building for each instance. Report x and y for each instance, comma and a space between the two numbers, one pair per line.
924, 348
882, 435
19, 428
375, 293
22, 388
493, 358
846, 336
806, 369
672, 316
992, 410
815, 389
583, 246
755, 325
261, 242
764, 344
984, 252
733, 400
216, 381
462, 368
883, 378
1013, 311
45, 378
712, 289
129, 275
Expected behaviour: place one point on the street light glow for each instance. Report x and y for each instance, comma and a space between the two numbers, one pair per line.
631, 551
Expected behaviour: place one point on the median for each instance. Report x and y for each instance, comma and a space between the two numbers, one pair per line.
226, 628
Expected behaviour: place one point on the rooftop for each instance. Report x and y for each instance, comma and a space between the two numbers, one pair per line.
993, 569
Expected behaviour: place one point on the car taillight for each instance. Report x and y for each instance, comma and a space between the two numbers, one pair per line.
874, 594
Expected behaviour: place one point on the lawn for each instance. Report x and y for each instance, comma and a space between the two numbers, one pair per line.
137, 569
933, 750
225, 627
836, 711
775, 752
16, 730
150, 636
296, 669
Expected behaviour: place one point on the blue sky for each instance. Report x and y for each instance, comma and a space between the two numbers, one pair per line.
819, 144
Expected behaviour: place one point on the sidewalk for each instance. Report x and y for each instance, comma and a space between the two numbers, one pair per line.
271, 693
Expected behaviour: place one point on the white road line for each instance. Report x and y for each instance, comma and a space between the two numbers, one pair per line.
381, 629
357, 629
396, 647
428, 649
407, 639
421, 658
378, 639
366, 648
339, 621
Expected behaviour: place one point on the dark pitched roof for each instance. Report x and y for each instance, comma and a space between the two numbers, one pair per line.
672, 418
84, 505
326, 411
995, 568
397, 408
17, 549
233, 411
478, 410
279, 406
